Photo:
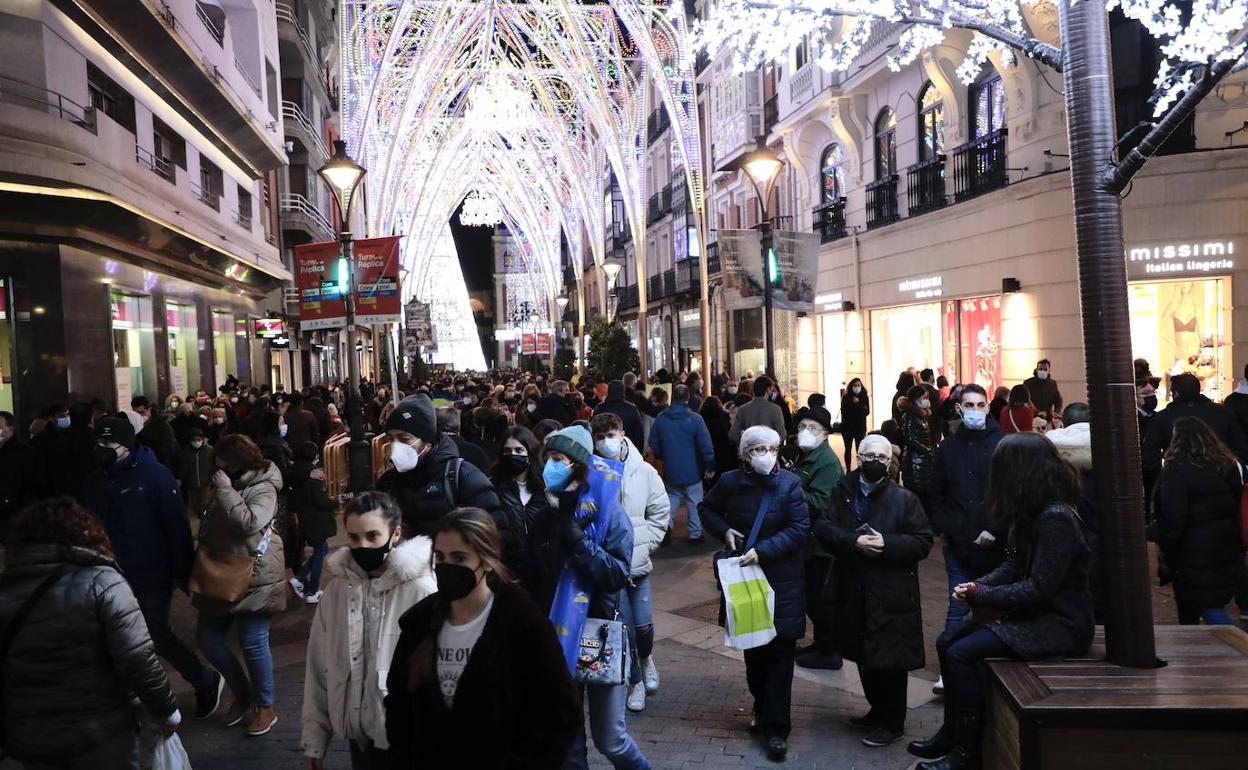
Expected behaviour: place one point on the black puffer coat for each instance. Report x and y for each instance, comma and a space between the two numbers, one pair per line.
422, 492
80, 659
734, 502
520, 519
959, 487
1197, 514
1043, 588
879, 621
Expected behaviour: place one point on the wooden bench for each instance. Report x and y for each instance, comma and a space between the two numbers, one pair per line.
1088, 714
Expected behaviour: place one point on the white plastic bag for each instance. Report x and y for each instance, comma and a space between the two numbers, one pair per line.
170, 755
749, 605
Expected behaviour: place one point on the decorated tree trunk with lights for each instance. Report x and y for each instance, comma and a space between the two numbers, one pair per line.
1203, 42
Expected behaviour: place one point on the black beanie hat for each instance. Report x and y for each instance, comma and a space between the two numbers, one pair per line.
415, 415
115, 429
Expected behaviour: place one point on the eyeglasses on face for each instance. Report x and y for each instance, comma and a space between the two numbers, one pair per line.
873, 456
761, 450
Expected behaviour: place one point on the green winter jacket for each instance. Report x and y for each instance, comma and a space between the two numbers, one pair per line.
820, 471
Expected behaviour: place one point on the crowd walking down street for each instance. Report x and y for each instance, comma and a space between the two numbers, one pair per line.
572, 601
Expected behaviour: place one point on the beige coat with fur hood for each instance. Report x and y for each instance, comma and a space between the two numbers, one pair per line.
345, 683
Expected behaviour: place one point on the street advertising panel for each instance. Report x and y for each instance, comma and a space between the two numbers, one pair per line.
316, 275
377, 297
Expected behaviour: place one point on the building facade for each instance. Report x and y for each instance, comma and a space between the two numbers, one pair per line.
139, 241
944, 216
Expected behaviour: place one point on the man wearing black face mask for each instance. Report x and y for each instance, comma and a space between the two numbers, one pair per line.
879, 534
137, 500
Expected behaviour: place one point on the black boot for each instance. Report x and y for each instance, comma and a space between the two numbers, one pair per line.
935, 747
965, 754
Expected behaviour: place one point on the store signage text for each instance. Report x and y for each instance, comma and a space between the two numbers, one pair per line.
923, 288
832, 301
1181, 260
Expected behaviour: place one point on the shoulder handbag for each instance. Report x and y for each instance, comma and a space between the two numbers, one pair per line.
225, 576
15, 625
603, 658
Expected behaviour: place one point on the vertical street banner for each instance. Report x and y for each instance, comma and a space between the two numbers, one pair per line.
377, 296
528, 345
418, 327
543, 344
321, 306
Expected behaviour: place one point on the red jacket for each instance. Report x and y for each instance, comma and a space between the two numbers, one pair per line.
1018, 419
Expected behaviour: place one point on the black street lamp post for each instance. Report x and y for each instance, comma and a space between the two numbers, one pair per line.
343, 176
762, 166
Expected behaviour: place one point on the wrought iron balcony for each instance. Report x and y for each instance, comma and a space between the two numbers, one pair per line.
882, 202
626, 297
925, 186
41, 99
829, 221
979, 166
655, 288
656, 124
206, 196
771, 113
712, 258
161, 167
688, 276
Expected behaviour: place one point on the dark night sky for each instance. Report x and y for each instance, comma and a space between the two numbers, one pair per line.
476, 254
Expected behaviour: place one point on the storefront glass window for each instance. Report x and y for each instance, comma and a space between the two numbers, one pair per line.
183, 325
657, 351
134, 347
834, 356
242, 346
979, 333
903, 337
7, 382
885, 144
1184, 326
223, 351
748, 356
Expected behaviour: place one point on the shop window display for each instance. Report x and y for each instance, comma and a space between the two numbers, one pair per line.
223, 350
1184, 326
134, 347
902, 337
979, 342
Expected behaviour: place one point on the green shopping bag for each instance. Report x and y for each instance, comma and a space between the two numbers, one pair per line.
749, 604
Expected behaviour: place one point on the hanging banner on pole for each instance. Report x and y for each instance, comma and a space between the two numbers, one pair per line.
528, 345
418, 323
377, 296
543, 344
321, 305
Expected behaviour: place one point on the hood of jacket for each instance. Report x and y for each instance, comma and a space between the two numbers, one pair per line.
138, 457
1074, 444
268, 473
410, 560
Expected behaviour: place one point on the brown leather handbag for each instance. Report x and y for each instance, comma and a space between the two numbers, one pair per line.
223, 576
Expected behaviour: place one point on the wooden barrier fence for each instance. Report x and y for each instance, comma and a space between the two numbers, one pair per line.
337, 465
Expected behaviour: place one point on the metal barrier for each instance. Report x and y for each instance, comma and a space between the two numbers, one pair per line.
381, 455
337, 469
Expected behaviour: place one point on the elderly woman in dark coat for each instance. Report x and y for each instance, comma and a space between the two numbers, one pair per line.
879, 534
1036, 605
728, 511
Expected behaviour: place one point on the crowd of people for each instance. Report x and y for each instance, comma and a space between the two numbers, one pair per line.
516, 511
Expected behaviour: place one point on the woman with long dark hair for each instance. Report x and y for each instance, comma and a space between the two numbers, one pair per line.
478, 678
905, 381
855, 407
1019, 415
1037, 604
517, 478
718, 424
918, 460
1197, 521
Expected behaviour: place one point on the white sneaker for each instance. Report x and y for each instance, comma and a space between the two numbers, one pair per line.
650, 675
637, 697
313, 598
296, 585
939, 687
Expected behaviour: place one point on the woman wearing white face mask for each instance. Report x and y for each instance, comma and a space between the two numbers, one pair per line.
762, 490
429, 478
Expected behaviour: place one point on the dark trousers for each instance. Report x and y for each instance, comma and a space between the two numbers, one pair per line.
851, 439
959, 665
155, 608
886, 692
820, 608
370, 758
769, 673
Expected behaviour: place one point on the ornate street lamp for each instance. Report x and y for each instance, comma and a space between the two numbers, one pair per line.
762, 166
343, 176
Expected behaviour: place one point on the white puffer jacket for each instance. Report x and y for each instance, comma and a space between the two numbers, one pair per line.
645, 500
340, 697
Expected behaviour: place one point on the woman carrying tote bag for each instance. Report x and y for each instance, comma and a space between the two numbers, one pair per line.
236, 538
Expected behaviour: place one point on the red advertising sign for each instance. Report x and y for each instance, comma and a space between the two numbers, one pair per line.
543, 344
377, 297
316, 275
528, 346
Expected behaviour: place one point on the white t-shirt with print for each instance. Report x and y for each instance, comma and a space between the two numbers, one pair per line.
455, 644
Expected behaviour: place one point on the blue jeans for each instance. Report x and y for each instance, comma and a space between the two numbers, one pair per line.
310, 573
959, 666
957, 575
1213, 616
253, 637
637, 613
611, 738
692, 497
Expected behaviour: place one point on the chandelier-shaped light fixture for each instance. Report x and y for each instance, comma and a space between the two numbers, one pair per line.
480, 211
495, 102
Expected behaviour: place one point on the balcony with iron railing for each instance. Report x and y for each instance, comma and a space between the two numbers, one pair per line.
38, 98
979, 166
161, 167
305, 215
656, 124
298, 124
829, 221
216, 31
925, 186
882, 202
288, 19
688, 276
626, 297
242, 218
660, 205
655, 289
712, 258
248, 78
206, 196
